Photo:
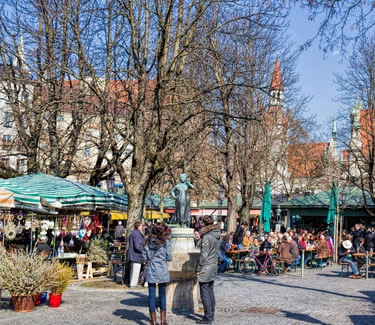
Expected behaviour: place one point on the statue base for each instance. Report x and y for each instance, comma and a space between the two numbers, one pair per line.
182, 291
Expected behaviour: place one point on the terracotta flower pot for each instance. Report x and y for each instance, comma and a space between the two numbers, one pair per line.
23, 303
54, 300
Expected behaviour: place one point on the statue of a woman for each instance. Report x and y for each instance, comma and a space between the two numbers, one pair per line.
180, 192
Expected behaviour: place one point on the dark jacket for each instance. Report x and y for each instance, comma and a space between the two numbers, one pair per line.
158, 256
224, 246
136, 241
342, 253
294, 251
238, 235
357, 234
265, 245
369, 240
207, 262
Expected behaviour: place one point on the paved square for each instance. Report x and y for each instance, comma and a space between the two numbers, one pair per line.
321, 297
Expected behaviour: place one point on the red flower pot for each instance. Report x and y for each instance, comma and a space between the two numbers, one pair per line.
37, 299
54, 300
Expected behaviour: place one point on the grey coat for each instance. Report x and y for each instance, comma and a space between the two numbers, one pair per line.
207, 262
158, 268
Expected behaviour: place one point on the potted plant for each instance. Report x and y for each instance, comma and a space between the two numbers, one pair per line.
64, 274
25, 275
97, 253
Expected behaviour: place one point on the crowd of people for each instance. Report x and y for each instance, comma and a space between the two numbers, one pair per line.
290, 243
149, 245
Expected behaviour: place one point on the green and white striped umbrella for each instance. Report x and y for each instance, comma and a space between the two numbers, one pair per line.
51, 191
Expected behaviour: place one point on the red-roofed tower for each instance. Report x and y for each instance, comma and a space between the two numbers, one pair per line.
277, 88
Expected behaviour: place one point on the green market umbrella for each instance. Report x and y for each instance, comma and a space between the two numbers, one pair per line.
265, 212
332, 210
53, 192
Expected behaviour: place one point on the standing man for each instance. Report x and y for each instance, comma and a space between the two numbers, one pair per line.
136, 242
238, 235
207, 267
119, 231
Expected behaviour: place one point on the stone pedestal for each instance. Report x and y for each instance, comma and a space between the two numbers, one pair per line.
182, 292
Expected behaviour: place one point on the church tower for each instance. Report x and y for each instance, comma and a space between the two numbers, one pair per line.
333, 144
277, 88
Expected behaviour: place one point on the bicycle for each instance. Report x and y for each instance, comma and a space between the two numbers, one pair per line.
273, 265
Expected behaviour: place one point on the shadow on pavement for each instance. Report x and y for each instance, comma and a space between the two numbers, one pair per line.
303, 318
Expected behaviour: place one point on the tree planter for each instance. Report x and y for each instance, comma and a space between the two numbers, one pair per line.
23, 303
54, 300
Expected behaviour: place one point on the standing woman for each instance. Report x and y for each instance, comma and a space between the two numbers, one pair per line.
157, 252
207, 267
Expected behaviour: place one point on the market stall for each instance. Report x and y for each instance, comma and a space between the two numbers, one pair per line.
54, 205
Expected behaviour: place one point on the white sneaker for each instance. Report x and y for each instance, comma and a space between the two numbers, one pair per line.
145, 284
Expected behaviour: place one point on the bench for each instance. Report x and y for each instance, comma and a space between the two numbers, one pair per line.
345, 267
319, 261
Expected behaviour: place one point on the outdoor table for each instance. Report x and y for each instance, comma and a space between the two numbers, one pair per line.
235, 254
311, 251
303, 251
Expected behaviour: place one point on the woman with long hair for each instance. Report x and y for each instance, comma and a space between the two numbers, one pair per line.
157, 252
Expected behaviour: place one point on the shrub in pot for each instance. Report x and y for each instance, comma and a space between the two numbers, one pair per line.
25, 275
64, 274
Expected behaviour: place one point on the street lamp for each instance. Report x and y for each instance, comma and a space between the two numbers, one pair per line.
220, 200
278, 215
110, 182
342, 205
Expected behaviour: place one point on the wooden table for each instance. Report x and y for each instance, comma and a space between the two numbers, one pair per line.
235, 255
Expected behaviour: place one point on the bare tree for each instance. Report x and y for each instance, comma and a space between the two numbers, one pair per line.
357, 88
36, 42
341, 22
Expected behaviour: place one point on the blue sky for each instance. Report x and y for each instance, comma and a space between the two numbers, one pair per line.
315, 71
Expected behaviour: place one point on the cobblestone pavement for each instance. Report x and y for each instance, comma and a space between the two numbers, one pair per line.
321, 297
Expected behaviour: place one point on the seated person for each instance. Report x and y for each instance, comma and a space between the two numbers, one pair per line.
246, 240
284, 252
254, 246
361, 260
323, 250
225, 260
42, 246
294, 251
345, 252
265, 246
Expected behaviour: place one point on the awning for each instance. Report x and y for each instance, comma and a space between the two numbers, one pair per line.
156, 215
67, 194
118, 215
6, 199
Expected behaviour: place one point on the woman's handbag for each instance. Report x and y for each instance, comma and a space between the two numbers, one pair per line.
142, 275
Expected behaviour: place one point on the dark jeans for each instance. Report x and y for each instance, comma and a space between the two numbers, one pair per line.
225, 261
152, 296
208, 299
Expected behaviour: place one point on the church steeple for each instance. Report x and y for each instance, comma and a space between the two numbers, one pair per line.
277, 87
333, 144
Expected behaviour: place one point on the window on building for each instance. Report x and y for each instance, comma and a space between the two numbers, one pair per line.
5, 161
8, 119
21, 166
87, 151
7, 141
